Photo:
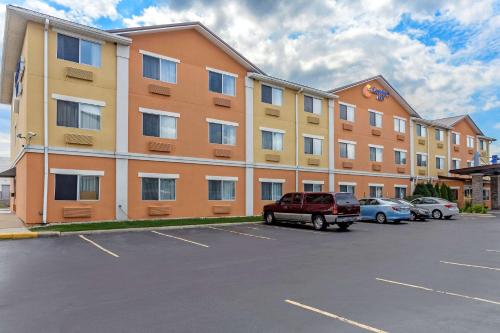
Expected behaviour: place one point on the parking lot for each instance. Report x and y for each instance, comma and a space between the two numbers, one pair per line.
436, 276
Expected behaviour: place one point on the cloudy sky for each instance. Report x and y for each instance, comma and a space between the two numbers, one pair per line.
442, 56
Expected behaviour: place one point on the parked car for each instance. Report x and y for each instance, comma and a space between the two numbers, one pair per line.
319, 208
382, 210
438, 207
416, 213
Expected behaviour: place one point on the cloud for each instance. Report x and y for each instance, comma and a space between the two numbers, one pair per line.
497, 126
4, 144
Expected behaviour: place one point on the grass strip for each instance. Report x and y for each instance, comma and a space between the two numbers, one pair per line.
143, 224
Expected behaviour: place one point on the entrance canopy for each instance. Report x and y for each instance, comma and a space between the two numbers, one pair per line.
9, 173
486, 170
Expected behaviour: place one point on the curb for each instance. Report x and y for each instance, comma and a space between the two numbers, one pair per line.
18, 235
476, 215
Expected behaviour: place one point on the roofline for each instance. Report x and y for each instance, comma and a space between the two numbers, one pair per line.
189, 25
292, 85
429, 122
379, 78
469, 118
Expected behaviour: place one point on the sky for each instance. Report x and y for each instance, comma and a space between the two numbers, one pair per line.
442, 56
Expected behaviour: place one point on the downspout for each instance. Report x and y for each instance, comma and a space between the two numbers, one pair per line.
429, 177
45, 120
297, 138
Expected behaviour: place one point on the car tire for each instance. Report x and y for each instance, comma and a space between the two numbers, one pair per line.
319, 222
269, 218
436, 214
381, 218
343, 226
413, 216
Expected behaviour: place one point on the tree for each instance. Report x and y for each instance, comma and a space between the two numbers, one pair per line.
451, 197
444, 192
437, 189
421, 190
430, 188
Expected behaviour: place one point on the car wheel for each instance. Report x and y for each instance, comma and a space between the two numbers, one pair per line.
343, 226
269, 218
413, 216
380, 218
436, 214
319, 222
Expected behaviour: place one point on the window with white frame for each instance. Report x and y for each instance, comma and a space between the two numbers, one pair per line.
76, 184
470, 164
455, 138
158, 187
78, 115
376, 153
313, 145
159, 67
400, 157
272, 139
421, 130
221, 188
159, 124
399, 125
222, 82
347, 149
439, 162
347, 187
346, 112
439, 134
271, 95
310, 186
421, 160
78, 50
470, 141
482, 144
400, 192
376, 191
455, 163
312, 105
221, 132
468, 192
271, 190
486, 194
375, 118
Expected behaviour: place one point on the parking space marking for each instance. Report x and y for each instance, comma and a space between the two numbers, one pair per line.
99, 246
471, 266
334, 316
253, 228
296, 229
241, 233
178, 238
440, 291
497, 251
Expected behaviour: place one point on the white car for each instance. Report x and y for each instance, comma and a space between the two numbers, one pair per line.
438, 207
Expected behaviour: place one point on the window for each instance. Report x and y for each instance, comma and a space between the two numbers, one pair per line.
76, 187
454, 194
287, 198
221, 189
312, 105
272, 140
159, 126
346, 112
439, 162
271, 95
455, 138
376, 154
470, 164
421, 130
421, 160
376, 191
312, 146
400, 157
375, 118
468, 192
400, 192
318, 198
222, 83
78, 50
347, 188
482, 144
400, 125
271, 191
78, 115
455, 164
222, 133
157, 68
439, 134
347, 150
313, 187
486, 194
158, 188
470, 141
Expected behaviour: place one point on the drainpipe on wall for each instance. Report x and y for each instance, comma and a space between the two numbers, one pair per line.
297, 139
45, 119
412, 154
429, 177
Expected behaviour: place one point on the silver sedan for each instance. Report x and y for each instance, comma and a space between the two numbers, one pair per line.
439, 208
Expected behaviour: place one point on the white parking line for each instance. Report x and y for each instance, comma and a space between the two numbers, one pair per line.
334, 316
296, 229
493, 251
241, 233
439, 291
253, 228
471, 266
99, 246
178, 238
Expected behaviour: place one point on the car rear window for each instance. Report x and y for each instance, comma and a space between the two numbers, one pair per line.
318, 198
344, 198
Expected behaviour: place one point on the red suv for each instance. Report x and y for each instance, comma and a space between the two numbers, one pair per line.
320, 209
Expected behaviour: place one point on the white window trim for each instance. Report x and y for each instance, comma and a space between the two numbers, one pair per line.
401, 150
457, 134
400, 118
347, 141
78, 100
156, 55
314, 182
375, 185
75, 35
456, 159
347, 183
221, 178
375, 111
158, 175
222, 122
375, 146
441, 156
77, 172
159, 112
220, 71
312, 136
309, 95
273, 130
401, 186
347, 104
473, 139
272, 180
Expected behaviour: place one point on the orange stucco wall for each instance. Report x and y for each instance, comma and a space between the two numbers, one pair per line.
464, 128
362, 184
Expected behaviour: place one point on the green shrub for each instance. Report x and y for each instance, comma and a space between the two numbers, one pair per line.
431, 190
421, 190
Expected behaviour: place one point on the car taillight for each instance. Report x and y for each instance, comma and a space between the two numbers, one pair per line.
449, 205
335, 209
395, 209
